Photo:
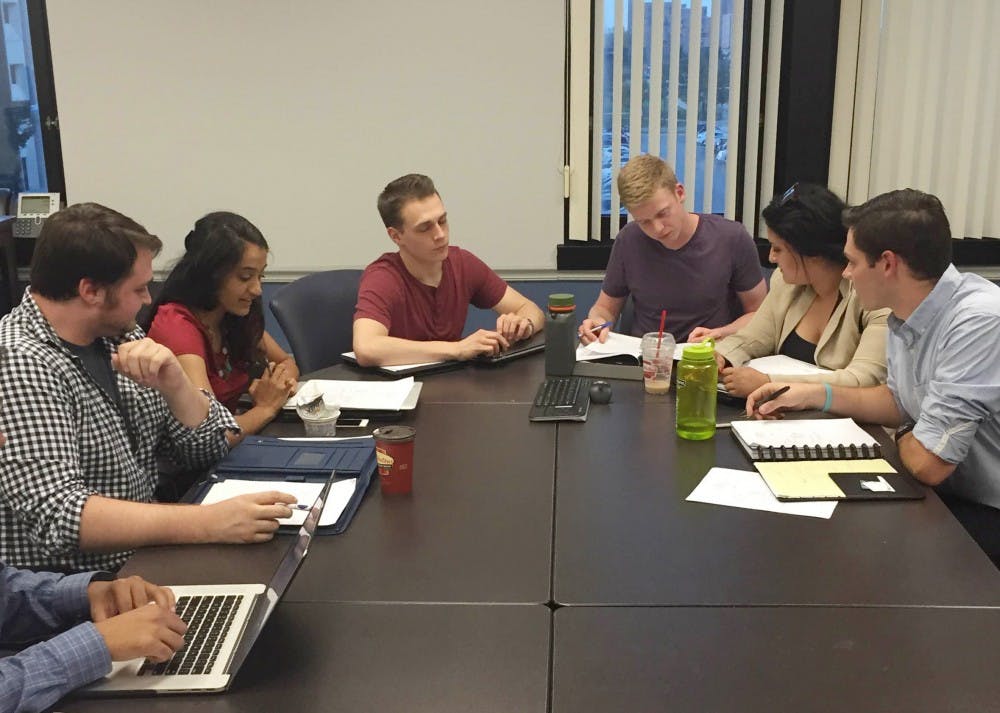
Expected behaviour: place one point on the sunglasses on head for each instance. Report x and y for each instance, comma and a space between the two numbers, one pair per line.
791, 194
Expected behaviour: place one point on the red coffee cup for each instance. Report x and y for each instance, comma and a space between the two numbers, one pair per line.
394, 453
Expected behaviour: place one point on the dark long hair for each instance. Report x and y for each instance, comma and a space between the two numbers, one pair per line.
213, 249
808, 217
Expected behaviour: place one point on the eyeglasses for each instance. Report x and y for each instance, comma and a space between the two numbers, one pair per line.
791, 194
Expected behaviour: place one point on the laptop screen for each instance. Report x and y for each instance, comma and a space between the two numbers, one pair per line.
281, 579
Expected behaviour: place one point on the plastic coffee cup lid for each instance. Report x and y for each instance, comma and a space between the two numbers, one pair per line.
395, 433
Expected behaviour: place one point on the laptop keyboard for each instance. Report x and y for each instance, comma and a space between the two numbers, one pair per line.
561, 398
208, 619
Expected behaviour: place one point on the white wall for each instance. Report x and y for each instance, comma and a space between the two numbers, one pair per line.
297, 113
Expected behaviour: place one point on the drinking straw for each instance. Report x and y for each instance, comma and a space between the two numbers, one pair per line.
659, 338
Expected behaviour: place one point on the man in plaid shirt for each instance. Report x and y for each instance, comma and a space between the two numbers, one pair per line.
89, 405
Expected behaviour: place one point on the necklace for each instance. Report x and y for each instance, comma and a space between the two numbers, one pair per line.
226, 368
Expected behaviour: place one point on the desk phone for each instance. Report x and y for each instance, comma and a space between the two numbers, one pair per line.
32, 210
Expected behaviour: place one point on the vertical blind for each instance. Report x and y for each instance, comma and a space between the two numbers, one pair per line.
925, 108
667, 81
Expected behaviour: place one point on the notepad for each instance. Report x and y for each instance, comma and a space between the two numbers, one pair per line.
362, 395
340, 494
805, 439
616, 345
781, 364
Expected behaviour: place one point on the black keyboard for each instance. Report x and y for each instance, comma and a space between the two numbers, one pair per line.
208, 619
561, 398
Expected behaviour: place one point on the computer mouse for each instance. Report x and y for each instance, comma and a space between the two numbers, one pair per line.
600, 392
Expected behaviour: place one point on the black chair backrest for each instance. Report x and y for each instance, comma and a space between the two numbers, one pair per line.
626, 317
316, 313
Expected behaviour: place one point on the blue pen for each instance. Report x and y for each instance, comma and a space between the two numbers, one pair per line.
599, 327
298, 506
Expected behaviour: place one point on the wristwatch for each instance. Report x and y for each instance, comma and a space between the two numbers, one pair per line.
903, 430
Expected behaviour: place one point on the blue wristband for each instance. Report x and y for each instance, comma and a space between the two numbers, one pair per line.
829, 398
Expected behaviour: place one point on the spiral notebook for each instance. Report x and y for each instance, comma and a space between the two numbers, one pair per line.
805, 439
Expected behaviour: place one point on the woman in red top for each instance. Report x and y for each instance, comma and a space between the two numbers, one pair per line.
209, 314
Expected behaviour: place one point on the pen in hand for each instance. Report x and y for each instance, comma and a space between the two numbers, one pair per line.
598, 328
769, 397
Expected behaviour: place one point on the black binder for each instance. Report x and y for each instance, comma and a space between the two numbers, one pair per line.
268, 458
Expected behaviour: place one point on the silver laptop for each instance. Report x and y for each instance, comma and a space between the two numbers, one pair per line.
224, 621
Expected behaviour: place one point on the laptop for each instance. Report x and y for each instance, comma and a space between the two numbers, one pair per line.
536, 343
223, 621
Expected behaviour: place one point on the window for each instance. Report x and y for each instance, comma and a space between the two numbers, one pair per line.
693, 81
22, 158
663, 130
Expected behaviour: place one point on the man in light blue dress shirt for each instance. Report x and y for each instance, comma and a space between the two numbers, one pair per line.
77, 625
943, 356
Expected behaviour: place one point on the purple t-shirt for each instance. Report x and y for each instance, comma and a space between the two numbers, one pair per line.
697, 284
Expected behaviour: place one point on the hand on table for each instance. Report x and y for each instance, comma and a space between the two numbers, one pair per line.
514, 328
247, 518
479, 342
588, 336
741, 380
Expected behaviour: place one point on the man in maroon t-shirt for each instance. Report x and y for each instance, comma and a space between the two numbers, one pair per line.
412, 304
702, 269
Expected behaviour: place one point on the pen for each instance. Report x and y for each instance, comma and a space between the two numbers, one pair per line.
771, 397
599, 327
298, 506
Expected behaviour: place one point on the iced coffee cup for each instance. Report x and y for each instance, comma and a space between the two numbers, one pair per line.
657, 362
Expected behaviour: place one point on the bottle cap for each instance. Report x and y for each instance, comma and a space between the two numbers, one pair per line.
561, 302
705, 351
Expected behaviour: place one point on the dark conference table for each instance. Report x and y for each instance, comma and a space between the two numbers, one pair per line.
522, 535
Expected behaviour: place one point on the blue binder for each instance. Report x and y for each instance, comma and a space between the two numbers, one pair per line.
268, 458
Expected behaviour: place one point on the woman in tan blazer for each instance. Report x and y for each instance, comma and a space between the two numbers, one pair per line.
811, 312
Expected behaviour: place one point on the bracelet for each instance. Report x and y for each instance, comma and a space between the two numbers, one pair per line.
903, 430
829, 398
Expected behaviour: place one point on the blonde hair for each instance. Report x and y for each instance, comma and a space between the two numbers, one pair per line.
642, 176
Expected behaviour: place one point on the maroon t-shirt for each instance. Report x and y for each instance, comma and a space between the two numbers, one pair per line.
696, 284
409, 309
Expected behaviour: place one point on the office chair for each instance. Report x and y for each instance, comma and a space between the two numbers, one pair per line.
316, 313
626, 317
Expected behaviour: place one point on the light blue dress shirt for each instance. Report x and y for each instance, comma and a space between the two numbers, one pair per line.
944, 372
34, 605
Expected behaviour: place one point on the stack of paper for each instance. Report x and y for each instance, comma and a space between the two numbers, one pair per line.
399, 367
362, 395
616, 345
781, 364
305, 493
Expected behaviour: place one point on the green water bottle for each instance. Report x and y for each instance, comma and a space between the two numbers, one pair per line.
697, 375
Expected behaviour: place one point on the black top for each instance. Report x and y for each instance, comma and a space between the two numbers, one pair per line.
796, 347
97, 362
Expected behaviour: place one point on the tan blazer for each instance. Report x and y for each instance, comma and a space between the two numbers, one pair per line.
852, 344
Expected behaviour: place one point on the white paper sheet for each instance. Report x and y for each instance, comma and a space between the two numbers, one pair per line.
617, 344
781, 364
399, 367
306, 493
788, 433
746, 489
365, 395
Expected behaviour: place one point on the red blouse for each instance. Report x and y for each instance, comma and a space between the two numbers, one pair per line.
176, 328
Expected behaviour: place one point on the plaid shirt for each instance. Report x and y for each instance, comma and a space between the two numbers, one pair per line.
67, 440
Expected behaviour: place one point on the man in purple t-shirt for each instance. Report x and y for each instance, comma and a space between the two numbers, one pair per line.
412, 304
701, 268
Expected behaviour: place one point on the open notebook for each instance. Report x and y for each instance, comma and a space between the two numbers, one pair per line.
805, 439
